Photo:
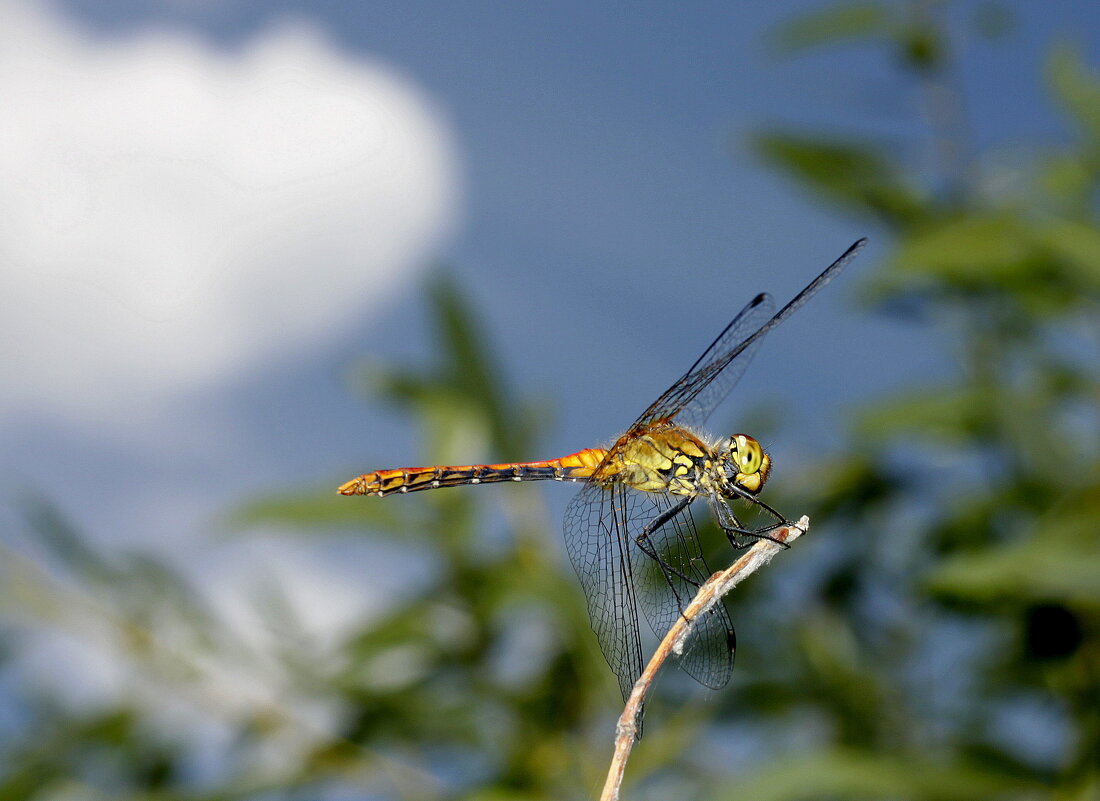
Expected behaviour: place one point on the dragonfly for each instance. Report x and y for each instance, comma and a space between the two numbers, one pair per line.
629, 530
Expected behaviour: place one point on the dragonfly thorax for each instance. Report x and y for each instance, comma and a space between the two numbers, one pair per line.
665, 458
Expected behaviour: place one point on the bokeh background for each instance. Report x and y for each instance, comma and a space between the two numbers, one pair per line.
249, 250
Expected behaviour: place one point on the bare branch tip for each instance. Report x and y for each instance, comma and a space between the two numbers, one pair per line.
710, 593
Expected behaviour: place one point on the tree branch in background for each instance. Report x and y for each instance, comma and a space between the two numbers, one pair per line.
673, 643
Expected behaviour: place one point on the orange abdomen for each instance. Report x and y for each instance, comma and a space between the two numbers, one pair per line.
574, 467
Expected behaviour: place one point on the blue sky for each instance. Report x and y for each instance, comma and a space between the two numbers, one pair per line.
582, 168
605, 172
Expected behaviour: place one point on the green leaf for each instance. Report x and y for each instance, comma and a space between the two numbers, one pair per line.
1076, 87
1035, 569
469, 364
855, 174
318, 511
66, 543
1076, 245
840, 22
971, 249
845, 773
943, 414
1070, 176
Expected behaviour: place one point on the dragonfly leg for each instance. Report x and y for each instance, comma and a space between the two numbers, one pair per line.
754, 499
642, 541
729, 523
732, 533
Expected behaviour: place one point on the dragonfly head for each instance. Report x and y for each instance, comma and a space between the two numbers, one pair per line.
746, 462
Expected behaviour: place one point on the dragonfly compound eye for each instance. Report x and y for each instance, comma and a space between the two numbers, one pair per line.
747, 453
750, 461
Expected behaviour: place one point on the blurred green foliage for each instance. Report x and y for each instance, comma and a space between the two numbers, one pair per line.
968, 507
944, 644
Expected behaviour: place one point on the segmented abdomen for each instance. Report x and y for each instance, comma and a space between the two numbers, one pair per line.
574, 467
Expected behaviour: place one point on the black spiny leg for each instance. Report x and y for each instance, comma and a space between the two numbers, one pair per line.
642, 541
729, 523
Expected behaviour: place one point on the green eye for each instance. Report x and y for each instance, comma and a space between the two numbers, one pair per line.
749, 454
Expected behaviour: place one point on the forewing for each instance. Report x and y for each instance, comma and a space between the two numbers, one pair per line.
665, 590
692, 398
695, 395
596, 539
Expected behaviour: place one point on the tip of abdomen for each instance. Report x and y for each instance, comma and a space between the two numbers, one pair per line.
357, 486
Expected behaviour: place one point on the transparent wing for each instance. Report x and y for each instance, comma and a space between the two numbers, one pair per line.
692, 398
665, 591
596, 539
716, 372
619, 580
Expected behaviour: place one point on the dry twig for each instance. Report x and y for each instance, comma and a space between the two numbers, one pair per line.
709, 594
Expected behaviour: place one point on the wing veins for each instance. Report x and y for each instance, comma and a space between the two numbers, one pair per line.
714, 360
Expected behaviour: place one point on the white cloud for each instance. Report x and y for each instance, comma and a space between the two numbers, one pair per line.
171, 214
